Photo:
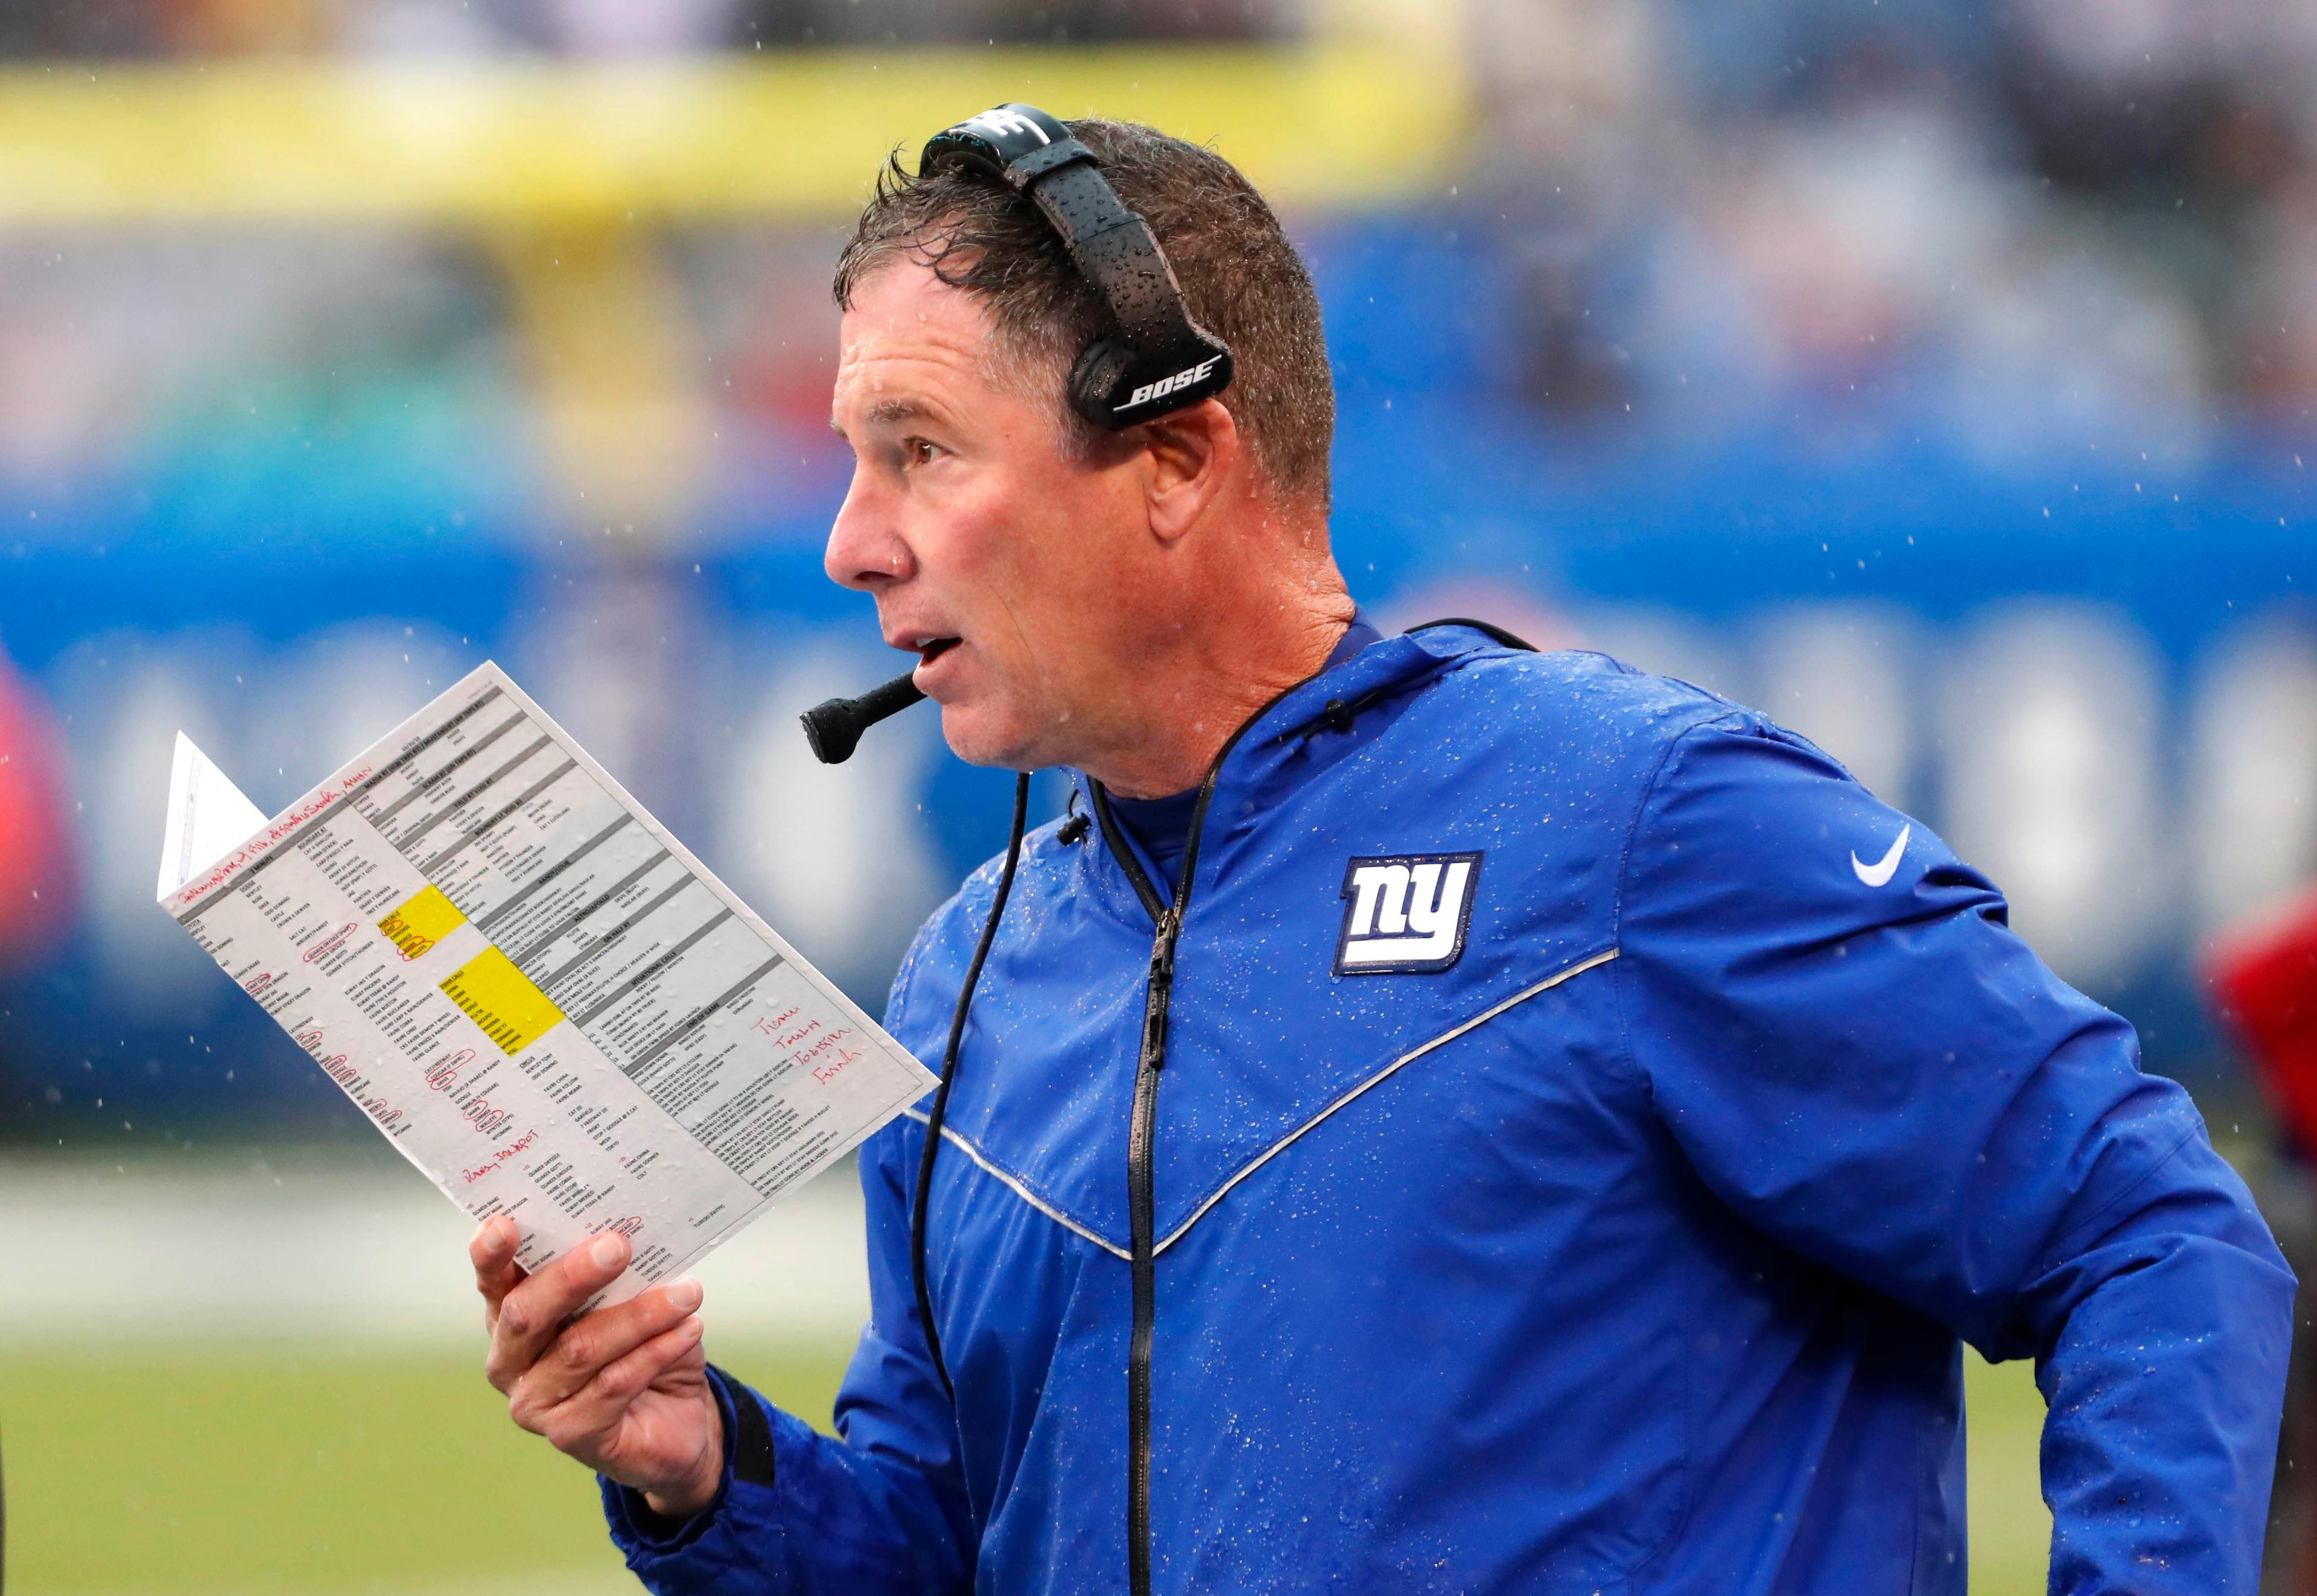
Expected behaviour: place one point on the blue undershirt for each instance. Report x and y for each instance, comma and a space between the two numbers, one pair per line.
1163, 825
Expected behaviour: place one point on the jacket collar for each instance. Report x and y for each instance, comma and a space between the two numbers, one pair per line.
1294, 739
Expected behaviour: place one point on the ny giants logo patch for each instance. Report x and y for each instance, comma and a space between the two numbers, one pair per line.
1405, 914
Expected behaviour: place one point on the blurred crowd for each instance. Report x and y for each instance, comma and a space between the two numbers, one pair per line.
608, 27
2049, 224
2081, 225
1717, 311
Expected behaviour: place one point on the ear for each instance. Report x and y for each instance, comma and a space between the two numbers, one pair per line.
1191, 456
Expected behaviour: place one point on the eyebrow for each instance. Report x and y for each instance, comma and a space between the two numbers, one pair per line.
887, 413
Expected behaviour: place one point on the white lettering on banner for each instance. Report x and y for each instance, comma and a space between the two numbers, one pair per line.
2252, 773
1872, 683
1405, 914
2051, 713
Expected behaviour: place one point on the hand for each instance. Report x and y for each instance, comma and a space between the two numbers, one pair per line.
625, 1390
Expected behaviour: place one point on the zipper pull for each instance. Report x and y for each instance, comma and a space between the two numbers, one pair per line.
1162, 981
1162, 950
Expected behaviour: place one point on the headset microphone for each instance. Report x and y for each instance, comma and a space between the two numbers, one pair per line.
833, 728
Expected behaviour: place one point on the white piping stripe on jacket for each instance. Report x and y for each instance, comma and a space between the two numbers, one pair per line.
1176, 1235
1021, 1191
1442, 1040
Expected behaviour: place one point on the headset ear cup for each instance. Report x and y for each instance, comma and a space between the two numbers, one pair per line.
1094, 377
1104, 387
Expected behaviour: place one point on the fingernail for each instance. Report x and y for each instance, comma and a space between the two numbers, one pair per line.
610, 1249
684, 1295
498, 1234
691, 1328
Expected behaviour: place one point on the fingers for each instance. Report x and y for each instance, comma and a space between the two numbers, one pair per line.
497, 1273
574, 1381
530, 1315
588, 1346
589, 1415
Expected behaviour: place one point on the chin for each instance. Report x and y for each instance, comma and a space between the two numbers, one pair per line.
980, 734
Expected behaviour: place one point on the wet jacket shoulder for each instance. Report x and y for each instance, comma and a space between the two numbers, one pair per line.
1589, 1121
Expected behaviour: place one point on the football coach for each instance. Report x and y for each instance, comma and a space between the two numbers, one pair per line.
1433, 1115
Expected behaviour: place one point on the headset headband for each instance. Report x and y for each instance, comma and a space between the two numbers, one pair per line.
1158, 359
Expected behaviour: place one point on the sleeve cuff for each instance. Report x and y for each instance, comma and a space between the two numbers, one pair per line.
748, 1458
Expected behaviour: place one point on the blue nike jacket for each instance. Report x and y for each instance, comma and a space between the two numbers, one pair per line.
1588, 1123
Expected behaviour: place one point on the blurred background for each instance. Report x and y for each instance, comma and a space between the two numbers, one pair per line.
1935, 377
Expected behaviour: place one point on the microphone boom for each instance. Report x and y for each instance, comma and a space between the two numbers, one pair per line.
834, 728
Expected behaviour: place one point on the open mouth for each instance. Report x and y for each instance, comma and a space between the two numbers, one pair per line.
930, 649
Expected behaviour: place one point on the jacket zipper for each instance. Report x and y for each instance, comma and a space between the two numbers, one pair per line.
1142, 1224
1142, 1132
1142, 1136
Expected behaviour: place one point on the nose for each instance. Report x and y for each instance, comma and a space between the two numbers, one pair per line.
866, 551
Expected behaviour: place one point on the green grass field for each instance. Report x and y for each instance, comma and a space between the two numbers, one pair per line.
276, 1475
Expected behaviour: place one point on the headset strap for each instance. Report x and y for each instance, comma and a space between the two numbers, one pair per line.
1168, 361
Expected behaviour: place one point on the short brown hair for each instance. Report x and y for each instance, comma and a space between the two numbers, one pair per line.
1241, 280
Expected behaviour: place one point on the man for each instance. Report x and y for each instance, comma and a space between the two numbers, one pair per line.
1463, 1120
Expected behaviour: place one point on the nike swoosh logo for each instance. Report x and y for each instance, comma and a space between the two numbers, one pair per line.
1879, 872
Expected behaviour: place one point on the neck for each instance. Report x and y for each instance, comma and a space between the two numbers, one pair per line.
1229, 661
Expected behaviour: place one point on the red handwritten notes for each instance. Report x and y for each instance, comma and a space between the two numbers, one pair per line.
544, 999
828, 1056
355, 1082
827, 1073
329, 944
814, 1044
443, 1074
506, 1155
281, 828
417, 925
775, 1025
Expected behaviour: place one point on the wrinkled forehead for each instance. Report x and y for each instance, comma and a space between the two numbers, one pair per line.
906, 325
902, 310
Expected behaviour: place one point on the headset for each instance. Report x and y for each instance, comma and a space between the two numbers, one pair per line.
1156, 359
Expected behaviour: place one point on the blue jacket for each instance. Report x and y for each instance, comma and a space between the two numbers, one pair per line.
1588, 1123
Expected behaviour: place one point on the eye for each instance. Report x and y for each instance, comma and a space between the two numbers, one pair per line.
916, 452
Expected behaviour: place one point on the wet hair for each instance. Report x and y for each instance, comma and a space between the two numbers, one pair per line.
1241, 280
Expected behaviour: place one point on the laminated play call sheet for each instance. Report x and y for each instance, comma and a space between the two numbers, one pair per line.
529, 986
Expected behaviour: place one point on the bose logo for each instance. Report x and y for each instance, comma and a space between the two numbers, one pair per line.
1001, 122
1166, 385
1405, 914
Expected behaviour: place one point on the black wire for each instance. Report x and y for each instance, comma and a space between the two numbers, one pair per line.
934, 1115
1494, 632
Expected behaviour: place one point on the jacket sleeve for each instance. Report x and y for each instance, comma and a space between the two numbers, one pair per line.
1866, 1063
882, 1511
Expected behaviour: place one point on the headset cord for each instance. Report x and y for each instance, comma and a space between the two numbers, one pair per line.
1169, 926
940, 1109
